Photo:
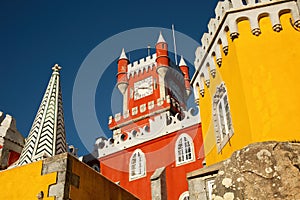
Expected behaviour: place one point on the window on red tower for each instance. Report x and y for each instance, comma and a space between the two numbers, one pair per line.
184, 149
184, 196
137, 165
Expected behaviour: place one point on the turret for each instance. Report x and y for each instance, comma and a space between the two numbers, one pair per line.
162, 58
122, 81
185, 70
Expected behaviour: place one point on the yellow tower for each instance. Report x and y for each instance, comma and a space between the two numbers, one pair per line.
246, 80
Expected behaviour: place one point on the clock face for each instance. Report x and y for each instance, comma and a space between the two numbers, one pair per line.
143, 88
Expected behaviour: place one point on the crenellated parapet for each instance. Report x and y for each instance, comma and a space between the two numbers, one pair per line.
162, 124
11, 141
227, 16
9, 131
143, 111
141, 66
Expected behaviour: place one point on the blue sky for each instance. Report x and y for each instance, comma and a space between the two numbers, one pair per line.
34, 35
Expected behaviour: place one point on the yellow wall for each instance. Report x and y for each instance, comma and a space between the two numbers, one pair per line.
82, 182
261, 76
25, 182
272, 78
94, 186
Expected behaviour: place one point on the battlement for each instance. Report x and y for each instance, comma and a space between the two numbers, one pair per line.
228, 15
9, 131
142, 111
162, 124
141, 65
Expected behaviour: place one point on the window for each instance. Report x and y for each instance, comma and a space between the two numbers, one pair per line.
222, 117
184, 149
96, 167
209, 186
137, 165
184, 196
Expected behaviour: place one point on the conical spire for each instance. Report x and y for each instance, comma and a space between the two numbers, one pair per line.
182, 62
47, 135
160, 38
123, 55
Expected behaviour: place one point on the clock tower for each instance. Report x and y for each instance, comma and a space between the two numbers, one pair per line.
156, 134
150, 86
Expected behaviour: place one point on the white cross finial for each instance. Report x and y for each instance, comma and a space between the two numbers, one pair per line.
56, 68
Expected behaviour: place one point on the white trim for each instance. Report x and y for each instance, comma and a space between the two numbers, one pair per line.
162, 123
209, 186
140, 165
219, 109
184, 196
184, 147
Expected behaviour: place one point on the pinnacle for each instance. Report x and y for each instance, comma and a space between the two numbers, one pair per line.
56, 68
160, 38
43, 134
182, 62
123, 55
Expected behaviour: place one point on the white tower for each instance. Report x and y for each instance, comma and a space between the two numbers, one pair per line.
47, 135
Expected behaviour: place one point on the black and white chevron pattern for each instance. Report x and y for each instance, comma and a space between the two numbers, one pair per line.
47, 135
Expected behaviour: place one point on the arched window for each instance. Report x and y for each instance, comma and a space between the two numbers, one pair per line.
137, 165
222, 117
184, 149
184, 196
96, 167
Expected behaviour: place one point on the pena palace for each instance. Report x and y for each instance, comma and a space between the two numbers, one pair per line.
245, 88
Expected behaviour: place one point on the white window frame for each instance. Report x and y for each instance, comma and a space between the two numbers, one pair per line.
209, 186
139, 165
221, 116
182, 154
184, 196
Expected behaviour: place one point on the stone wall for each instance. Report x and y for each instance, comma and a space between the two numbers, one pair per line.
268, 170
11, 141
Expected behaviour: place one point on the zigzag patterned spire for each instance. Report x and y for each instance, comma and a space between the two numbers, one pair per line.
47, 135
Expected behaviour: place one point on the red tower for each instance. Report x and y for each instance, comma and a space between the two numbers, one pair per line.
122, 81
185, 70
155, 139
162, 56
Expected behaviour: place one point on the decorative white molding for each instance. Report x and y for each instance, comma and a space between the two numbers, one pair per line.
125, 100
228, 14
222, 134
118, 117
162, 124
143, 108
151, 105
135, 110
160, 101
138, 67
185, 195
168, 99
126, 114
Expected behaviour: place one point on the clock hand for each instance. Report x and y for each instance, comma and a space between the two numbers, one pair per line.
143, 87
